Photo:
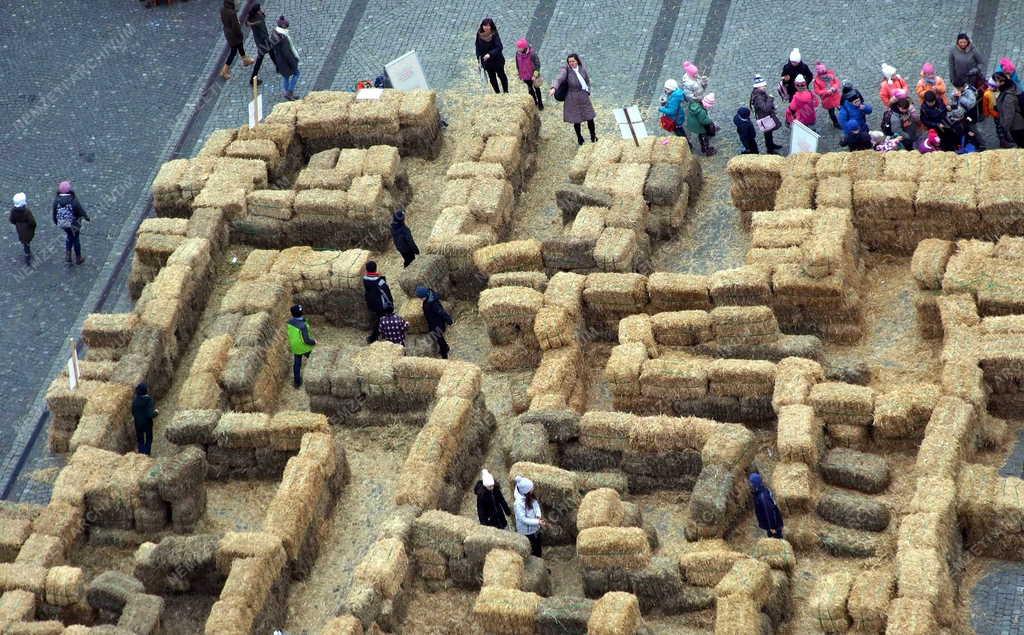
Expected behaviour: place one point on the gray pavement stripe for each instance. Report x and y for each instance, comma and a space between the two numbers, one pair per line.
538, 28
342, 40
656, 50
984, 26
714, 25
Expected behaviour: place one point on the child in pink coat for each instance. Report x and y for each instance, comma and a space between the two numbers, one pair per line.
829, 90
802, 106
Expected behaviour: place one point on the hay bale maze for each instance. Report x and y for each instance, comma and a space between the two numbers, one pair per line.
637, 401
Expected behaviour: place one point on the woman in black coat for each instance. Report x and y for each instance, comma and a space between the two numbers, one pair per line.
24, 223
795, 66
402, 237
488, 53
257, 21
491, 507
233, 35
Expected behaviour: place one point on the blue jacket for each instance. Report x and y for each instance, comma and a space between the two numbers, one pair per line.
768, 514
437, 318
849, 112
745, 128
675, 107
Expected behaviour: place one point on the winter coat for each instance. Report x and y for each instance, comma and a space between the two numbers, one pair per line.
527, 518
939, 88
697, 118
143, 410
377, 293
577, 107
895, 122
492, 48
392, 328
282, 53
859, 140
260, 35
989, 99
491, 507
961, 62
792, 70
1010, 116
402, 237
850, 112
77, 209
299, 339
746, 131
524, 61
693, 86
887, 90
762, 104
437, 318
829, 89
675, 107
802, 108
934, 116
24, 223
768, 514
232, 28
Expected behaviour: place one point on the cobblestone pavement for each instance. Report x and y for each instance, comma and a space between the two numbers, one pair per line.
114, 111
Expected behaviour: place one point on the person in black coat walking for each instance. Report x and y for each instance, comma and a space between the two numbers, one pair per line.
143, 412
285, 58
234, 37
24, 223
745, 130
795, 66
67, 215
379, 300
769, 518
491, 507
489, 54
402, 237
438, 320
257, 22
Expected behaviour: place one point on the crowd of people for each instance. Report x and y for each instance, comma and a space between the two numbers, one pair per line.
277, 45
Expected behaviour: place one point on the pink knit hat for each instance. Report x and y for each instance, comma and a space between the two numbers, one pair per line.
708, 101
522, 43
820, 68
927, 69
899, 94
1007, 64
64, 187
690, 68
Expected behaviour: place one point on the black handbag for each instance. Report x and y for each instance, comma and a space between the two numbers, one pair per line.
562, 90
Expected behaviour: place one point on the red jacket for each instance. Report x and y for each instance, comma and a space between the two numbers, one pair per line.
802, 108
829, 89
887, 91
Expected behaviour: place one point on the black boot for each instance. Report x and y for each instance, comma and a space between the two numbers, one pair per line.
67, 256
579, 138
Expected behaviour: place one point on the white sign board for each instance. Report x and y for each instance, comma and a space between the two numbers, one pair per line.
255, 111
406, 73
802, 138
630, 122
369, 94
73, 370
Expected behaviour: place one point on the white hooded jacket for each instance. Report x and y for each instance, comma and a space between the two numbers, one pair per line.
527, 519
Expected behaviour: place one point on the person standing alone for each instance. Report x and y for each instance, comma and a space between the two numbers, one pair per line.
402, 237
528, 66
24, 223
67, 215
378, 298
143, 412
233, 35
300, 341
577, 107
438, 320
489, 54
769, 518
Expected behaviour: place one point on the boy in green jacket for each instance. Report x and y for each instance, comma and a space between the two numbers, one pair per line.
300, 340
699, 121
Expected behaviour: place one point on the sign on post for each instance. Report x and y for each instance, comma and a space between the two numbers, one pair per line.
802, 139
631, 123
406, 73
369, 94
256, 105
74, 373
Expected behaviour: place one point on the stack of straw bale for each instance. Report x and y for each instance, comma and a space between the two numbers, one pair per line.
616, 613
846, 409
740, 596
829, 601
904, 411
608, 297
744, 325
755, 181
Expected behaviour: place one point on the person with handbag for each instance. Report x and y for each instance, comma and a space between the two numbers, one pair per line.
763, 107
673, 111
572, 87
699, 121
489, 54
528, 67
795, 66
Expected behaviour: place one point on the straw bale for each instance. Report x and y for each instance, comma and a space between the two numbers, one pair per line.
844, 404
742, 372
167, 181
855, 511
503, 569
728, 444
325, 160
506, 611
589, 223
554, 327
518, 255
674, 379
418, 108
489, 200
13, 533
904, 410
616, 249
670, 434
384, 566
624, 368
637, 328
834, 191
1001, 165
600, 508
829, 599
800, 435
953, 204
737, 615
864, 472
1000, 200
911, 616
794, 377
868, 601
344, 625
865, 165
64, 585
536, 280
558, 371
795, 193
748, 285
748, 577
460, 380
775, 552
929, 262
775, 256
142, 614
681, 328
505, 305
1009, 248
441, 531
616, 290
757, 167
874, 199
742, 320
794, 487
504, 150
476, 169
923, 573
705, 562
606, 430
615, 613
322, 202
383, 161
47, 627
902, 166
552, 483
678, 291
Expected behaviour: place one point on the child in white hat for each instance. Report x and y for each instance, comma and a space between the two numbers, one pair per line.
24, 223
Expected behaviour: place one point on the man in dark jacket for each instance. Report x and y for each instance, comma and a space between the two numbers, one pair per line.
768, 515
491, 507
233, 34
378, 298
402, 236
25, 224
143, 412
285, 57
1008, 104
795, 66
257, 22
438, 319
745, 130
67, 215
300, 341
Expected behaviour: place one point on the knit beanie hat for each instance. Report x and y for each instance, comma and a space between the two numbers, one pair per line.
963, 36
743, 111
671, 85
422, 291
800, 80
927, 68
888, 71
64, 187
523, 44
399, 215
524, 485
282, 22
794, 56
296, 310
755, 479
933, 138
820, 68
877, 137
690, 68
141, 389
708, 101
486, 478
1007, 65
759, 81
20, 199
899, 94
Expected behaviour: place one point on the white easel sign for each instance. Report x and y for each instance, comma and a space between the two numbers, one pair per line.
255, 106
802, 139
631, 123
406, 73
74, 372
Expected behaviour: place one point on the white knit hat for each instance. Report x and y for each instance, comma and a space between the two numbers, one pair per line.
524, 485
486, 478
794, 56
800, 79
888, 71
20, 199
671, 85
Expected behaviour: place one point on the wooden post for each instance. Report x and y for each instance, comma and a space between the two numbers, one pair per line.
629, 122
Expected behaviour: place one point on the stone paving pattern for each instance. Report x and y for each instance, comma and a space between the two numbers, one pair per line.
96, 87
